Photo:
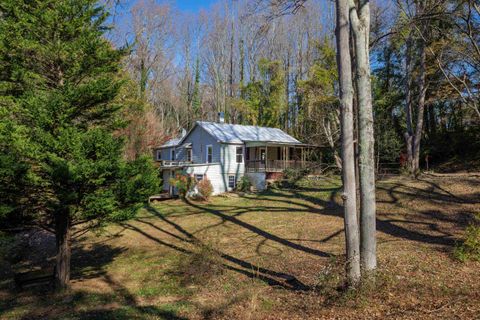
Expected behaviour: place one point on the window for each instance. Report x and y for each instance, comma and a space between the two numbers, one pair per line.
159, 155
209, 154
232, 182
172, 154
239, 154
189, 155
199, 177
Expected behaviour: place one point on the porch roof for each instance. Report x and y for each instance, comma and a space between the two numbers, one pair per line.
274, 144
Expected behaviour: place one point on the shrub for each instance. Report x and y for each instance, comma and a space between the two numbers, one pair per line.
469, 249
183, 182
205, 188
292, 175
244, 184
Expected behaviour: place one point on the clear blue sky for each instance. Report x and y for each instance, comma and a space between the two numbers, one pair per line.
194, 5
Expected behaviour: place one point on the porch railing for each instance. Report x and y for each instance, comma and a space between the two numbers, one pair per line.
174, 163
275, 165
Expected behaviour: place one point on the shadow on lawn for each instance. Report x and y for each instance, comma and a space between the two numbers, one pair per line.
402, 229
248, 269
42, 303
388, 226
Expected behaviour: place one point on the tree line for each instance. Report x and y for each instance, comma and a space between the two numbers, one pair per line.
273, 63
88, 87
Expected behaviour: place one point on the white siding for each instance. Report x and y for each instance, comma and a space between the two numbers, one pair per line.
213, 173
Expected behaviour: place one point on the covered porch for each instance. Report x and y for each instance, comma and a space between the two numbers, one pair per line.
271, 157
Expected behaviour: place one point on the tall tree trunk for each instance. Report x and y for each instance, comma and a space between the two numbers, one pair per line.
408, 135
360, 21
62, 235
348, 173
422, 87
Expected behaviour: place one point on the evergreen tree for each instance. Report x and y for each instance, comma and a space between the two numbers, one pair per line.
59, 111
196, 99
264, 102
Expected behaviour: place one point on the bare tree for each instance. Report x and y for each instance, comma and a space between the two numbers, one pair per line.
360, 24
348, 160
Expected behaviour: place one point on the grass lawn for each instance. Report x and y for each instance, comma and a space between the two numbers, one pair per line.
275, 255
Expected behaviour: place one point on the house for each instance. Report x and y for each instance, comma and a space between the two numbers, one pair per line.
225, 152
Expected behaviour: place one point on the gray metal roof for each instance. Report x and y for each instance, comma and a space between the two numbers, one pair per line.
171, 143
235, 133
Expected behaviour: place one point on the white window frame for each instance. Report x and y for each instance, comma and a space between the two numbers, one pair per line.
237, 154
234, 181
159, 155
209, 146
172, 154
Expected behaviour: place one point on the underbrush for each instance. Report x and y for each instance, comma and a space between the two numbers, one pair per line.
469, 249
332, 286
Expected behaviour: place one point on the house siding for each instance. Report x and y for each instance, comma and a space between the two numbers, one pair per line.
212, 172
229, 157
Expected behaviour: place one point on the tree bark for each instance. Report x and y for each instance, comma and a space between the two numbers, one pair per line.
422, 87
62, 235
348, 173
408, 103
360, 21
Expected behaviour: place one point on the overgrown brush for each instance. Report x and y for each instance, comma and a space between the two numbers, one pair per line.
292, 175
469, 249
331, 284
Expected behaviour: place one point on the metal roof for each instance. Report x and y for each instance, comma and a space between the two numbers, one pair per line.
171, 143
236, 133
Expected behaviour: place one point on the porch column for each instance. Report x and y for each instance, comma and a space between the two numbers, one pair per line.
266, 157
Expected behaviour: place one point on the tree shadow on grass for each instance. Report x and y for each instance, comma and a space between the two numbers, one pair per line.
394, 227
40, 302
271, 277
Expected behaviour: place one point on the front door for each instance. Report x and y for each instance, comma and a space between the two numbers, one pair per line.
262, 155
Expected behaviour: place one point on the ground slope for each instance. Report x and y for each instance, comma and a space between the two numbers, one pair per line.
276, 255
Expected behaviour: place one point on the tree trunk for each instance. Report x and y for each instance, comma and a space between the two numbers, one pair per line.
360, 21
422, 87
348, 173
62, 234
408, 103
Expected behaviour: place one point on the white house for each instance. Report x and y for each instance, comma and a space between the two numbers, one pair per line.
225, 152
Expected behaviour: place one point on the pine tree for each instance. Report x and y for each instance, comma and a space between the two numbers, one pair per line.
196, 99
59, 82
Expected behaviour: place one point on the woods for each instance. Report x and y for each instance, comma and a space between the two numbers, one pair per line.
91, 92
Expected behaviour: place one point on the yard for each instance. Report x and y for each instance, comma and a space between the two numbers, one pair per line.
275, 255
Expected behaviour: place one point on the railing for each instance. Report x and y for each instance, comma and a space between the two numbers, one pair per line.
275, 165
174, 163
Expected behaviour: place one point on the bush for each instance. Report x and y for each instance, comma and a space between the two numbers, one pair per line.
205, 188
469, 249
292, 176
183, 182
244, 184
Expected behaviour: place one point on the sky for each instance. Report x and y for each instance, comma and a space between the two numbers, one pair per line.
194, 5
